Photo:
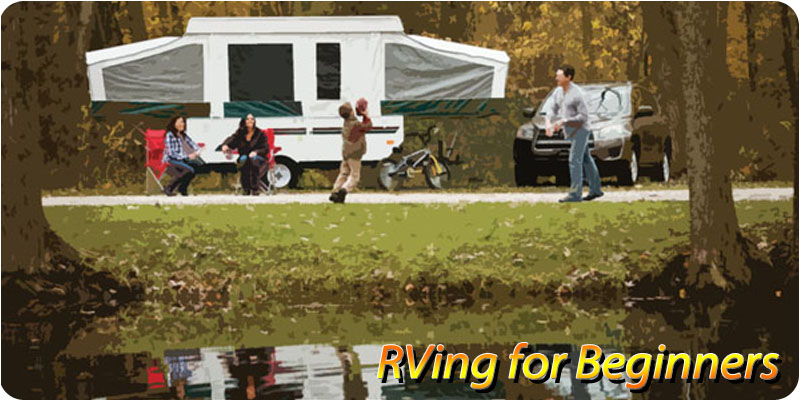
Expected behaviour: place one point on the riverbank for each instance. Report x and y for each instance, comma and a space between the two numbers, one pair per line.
472, 276
203, 257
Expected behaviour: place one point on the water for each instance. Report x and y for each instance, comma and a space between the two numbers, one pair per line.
332, 352
294, 372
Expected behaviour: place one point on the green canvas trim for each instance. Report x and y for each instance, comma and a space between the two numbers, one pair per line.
272, 108
442, 108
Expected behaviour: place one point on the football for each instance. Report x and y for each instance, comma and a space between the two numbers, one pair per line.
361, 106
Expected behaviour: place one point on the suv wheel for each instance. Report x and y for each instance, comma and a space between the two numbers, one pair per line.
524, 167
563, 178
629, 171
525, 174
663, 171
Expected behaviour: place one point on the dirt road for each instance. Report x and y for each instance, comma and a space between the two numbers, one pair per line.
618, 196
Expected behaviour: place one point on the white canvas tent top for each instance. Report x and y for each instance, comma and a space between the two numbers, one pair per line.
377, 61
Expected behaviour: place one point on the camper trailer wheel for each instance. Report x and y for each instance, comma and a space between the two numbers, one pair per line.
285, 172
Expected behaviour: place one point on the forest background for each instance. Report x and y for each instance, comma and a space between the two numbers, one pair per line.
606, 41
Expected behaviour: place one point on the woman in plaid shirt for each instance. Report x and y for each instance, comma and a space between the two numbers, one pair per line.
180, 153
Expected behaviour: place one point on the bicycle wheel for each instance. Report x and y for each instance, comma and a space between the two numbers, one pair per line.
437, 179
386, 181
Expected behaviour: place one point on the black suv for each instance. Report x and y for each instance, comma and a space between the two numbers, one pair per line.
628, 135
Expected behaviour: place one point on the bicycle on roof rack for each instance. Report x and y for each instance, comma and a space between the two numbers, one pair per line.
436, 168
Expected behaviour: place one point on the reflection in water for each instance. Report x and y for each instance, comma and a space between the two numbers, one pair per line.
332, 372
295, 372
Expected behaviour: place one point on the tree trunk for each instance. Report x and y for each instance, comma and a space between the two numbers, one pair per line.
716, 255
164, 21
752, 66
136, 20
255, 9
107, 30
661, 59
633, 68
176, 17
28, 243
789, 57
454, 23
590, 71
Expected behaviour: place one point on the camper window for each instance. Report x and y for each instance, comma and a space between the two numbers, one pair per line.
260, 72
329, 71
175, 75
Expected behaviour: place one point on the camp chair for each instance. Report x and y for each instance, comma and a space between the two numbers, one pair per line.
155, 166
270, 187
155, 377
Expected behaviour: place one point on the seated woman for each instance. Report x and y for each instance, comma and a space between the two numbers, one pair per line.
181, 156
251, 143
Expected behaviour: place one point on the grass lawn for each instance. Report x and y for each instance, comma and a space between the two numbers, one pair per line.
291, 274
314, 248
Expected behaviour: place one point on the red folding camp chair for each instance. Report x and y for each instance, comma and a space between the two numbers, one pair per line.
155, 378
155, 166
271, 159
154, 143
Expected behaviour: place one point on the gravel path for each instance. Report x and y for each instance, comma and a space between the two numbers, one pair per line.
617, 196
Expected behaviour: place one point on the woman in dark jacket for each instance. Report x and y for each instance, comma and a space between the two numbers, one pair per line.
251, 144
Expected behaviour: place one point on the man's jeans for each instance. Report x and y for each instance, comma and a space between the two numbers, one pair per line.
580, 162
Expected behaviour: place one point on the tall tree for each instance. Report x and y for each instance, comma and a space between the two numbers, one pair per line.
632, 31
716, 254
164, 20
135, 21
789, 58
43, 88
454, 20
752, 65
255, 10
106, 29
662, 72
587, 33
176, 16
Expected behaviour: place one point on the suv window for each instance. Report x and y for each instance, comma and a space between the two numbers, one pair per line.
602, 101
606, 102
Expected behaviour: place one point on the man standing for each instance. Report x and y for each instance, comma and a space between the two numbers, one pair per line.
354, 145
569, 111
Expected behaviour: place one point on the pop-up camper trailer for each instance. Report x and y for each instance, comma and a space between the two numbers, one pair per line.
292, 73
